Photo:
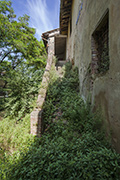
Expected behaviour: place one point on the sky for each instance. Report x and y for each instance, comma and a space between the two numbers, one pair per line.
44, 14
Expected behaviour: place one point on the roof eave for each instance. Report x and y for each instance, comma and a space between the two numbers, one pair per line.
65, 13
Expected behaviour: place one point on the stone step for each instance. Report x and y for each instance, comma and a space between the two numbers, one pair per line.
60, 63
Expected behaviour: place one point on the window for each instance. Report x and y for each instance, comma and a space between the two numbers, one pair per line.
100, 46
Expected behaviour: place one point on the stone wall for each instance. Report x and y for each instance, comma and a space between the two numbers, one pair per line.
36, 115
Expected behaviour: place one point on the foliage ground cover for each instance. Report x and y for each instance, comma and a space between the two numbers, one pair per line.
73, 145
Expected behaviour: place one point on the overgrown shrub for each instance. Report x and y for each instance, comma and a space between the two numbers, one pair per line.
64, 156
73, 145
22, 87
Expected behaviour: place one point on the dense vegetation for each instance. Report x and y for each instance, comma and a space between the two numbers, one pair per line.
73, 145
22, 61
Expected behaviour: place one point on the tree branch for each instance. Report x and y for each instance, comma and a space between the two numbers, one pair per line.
5, 56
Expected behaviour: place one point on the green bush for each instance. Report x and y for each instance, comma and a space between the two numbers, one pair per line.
22, 87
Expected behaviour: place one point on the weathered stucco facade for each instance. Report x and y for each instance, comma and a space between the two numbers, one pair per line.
85, 21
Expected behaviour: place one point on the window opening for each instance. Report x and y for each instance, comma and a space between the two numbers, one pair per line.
100, 46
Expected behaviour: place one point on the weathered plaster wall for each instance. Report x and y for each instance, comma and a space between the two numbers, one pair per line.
51, 48
105, 90
68, 44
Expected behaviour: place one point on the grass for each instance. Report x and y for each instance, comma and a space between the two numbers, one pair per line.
15, 138
14, 135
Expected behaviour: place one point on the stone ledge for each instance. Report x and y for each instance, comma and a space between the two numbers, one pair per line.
36, 115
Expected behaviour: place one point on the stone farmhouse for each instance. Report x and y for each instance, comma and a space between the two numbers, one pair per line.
89, 37
93, 44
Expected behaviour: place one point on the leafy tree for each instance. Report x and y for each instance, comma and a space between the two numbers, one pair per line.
22, 60
17, 41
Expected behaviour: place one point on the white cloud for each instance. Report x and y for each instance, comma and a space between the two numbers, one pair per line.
42, 18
